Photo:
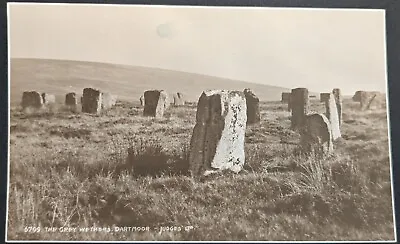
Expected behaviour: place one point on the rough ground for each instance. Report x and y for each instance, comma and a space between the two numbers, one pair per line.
71, 170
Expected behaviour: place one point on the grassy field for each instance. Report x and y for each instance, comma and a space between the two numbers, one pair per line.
71, 170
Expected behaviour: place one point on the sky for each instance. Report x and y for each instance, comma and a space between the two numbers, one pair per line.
319, 49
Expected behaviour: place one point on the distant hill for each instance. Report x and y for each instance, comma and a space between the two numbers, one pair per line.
127, 82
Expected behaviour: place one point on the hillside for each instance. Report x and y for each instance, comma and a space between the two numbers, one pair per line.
128, 82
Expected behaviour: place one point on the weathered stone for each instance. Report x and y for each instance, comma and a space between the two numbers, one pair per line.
372, 100
155, 103
70, 99
339, 103
178, 99
91, 101
108, 100
141, 100
32, 99
300, 106
332, 115
217, 141
357, 96
253, 107
289, 107
48, 98
323, 97
317, 135
285, 97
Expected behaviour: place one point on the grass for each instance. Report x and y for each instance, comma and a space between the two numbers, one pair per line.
119, 169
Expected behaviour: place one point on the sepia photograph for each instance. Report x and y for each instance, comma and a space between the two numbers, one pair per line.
197, 123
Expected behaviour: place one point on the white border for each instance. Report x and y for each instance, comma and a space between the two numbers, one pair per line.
207, 7
199, 6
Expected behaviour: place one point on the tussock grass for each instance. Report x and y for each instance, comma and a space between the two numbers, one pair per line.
123, 169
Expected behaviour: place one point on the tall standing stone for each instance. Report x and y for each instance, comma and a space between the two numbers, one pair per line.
253, 107
91, 101
317, 135
323, 97
339, 103
217, 141
332, 115
300, 106
155, 103
178, 99
31, 99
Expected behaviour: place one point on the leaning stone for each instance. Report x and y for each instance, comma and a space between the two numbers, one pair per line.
218, 137
31, 99
91, 101
339, 103
178, 99
300, 105
317, 135
155, 103
253, 107
332, 115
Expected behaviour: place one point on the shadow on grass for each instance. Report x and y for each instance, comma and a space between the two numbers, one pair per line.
148, 158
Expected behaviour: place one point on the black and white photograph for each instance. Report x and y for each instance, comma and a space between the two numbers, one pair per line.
153, 123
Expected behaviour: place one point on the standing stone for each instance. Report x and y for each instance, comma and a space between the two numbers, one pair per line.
71, 101
48, 98
141, 100
323, 97
317, 135
300, 106
357, 96
253, 107
31, 99
289, 107
285, 97
108, 100
339, 102
371, 100
178, 99
155, 103
332, 115
168, 100
217, 141
91, 101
